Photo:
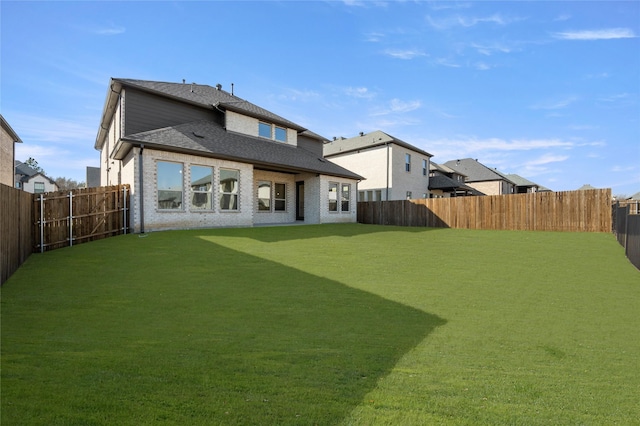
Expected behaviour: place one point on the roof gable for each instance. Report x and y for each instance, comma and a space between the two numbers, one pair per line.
475, 171
366, 140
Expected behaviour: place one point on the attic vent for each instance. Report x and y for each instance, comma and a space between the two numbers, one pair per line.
197, 135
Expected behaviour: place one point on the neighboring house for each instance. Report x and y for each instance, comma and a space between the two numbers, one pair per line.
523, 186
586, 187
8, 139
31, 180
392, 168
482, 178
198, 156
444, 182
93, 177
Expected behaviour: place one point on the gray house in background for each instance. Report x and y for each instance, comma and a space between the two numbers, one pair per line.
482, 178
93, 177
168, 139
444, 182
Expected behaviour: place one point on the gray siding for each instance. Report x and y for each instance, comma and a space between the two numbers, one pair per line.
145, 111
309, 144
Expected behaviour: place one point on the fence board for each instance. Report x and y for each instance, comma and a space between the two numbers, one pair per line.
15, 230
66, 218
576, 211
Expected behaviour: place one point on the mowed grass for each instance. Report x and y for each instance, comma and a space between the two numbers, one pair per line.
328, 324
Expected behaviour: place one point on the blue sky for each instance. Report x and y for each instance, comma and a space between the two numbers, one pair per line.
548, 90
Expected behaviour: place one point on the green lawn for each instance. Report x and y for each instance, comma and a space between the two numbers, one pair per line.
329, 324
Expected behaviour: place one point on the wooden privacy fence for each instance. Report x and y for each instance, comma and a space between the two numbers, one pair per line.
582, 211
65, 218
16, 231
626, 227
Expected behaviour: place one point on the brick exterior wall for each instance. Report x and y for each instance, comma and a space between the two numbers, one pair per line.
249, 126
273, 217
6, 158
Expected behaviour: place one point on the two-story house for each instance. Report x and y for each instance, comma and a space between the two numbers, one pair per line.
31, 180
393, 169
444, 182
198, 156
8, 139
482, 178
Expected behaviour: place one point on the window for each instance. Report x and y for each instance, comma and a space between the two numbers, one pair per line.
379, 195
264, 130
280, 197
281, 134
407, 162
408, 195
346, 197
267, 130
169, 185
264, 196
229, 180
425, 169
333, 197
201, 188
38, 187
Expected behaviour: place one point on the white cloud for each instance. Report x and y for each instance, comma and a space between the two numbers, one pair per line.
546, 159
482, 66
489, 50
467, 21
555, 104
44, 129
401, 106
606, 34
404, 54
359, 92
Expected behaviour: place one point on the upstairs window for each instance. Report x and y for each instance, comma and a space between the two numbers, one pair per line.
281, 134
407, 162
264, 130
38, 187
424, 168
269, 131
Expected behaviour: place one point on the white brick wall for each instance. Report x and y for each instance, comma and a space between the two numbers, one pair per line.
264, 217
157, 219
337, 217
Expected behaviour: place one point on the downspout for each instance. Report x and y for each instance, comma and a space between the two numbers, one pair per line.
387, 195
141, 177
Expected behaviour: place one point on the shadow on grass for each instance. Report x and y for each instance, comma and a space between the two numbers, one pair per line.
277, 233
196, 333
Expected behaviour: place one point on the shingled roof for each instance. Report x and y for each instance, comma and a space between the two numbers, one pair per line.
366, 140
196, 94
475, 171
206, 138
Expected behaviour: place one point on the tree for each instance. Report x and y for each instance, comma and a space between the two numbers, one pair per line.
66, 184
31, 162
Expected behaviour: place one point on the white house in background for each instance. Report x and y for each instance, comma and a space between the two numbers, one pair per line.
198, 156
392, 168
32, 181
8, 139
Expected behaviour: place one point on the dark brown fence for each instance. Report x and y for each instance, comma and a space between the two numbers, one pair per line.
15, 230
578, 211
66, 218
627, 230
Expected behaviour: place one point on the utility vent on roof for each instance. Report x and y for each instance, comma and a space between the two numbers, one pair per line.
197, 135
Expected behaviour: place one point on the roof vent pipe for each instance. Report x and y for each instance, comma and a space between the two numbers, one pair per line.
219, 86
192, 87
231, 89
361, 133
